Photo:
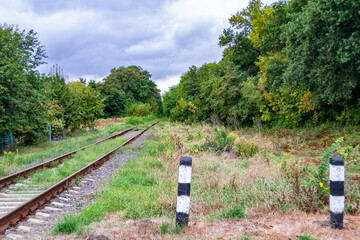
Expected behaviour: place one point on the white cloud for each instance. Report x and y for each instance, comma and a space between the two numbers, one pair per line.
167, 82
88, 38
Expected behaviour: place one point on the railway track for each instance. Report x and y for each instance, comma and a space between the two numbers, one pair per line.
12, 178
16, 207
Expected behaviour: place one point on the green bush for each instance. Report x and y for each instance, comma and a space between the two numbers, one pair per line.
139, 109
225, 142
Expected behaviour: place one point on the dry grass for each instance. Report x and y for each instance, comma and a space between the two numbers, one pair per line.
106, 122
222, 182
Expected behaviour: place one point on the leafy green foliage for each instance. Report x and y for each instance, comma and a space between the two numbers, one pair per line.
140, 109
127, 85
30, 102
325, 37
85, 106
170, 100
293, 63
115, 100
350, 154
225, 142
21, 100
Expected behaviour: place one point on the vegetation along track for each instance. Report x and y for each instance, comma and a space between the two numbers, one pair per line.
10, 179
19, 213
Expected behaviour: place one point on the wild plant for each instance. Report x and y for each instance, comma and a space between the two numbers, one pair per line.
310, 193
318, 177
1, 168
9, 157
224, 141
244, 149
350, 154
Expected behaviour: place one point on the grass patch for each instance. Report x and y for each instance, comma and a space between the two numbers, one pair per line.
247, 237
134, 192
78, 161
234, 213
46, 150
307, 236
168, 228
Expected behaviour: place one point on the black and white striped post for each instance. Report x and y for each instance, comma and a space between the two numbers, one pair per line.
337, 198
183, 199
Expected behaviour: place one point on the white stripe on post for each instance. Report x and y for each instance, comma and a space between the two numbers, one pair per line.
183, 204
337, 204
183, 199
337, 198
185, 174
337, 173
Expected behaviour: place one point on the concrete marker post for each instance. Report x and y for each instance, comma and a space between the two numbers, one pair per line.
183, 199
337, 198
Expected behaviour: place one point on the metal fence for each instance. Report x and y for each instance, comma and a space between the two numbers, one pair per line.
6, 142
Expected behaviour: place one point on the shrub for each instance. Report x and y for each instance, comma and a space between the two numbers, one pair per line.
244, 149
139, 109
225, 142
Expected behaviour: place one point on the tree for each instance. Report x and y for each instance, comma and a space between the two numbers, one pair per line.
323, 51
85, 106
114, 100
82, 80
57, 94
170, 100
132, 81
22, 107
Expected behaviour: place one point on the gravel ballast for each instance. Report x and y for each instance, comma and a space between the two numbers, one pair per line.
73, 200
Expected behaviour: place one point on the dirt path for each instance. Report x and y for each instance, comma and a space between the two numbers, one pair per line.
270, 226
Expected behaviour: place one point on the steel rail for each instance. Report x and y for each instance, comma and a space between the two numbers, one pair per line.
39, 201
10, 179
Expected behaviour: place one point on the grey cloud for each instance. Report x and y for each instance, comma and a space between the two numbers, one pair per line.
90, 37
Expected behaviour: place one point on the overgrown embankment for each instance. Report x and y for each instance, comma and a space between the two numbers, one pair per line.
238, 177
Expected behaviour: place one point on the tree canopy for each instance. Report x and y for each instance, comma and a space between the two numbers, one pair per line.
126, 86
21, 101
30, 102
292, 63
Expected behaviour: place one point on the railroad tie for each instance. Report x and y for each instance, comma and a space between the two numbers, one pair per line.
43, 215
25, 228
35, 221
14, 236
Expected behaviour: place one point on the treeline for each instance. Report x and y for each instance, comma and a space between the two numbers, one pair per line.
291, 64
31, 102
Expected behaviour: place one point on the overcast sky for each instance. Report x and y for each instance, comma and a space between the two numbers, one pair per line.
87, 38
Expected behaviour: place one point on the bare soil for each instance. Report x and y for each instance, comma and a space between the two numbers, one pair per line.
281, 226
